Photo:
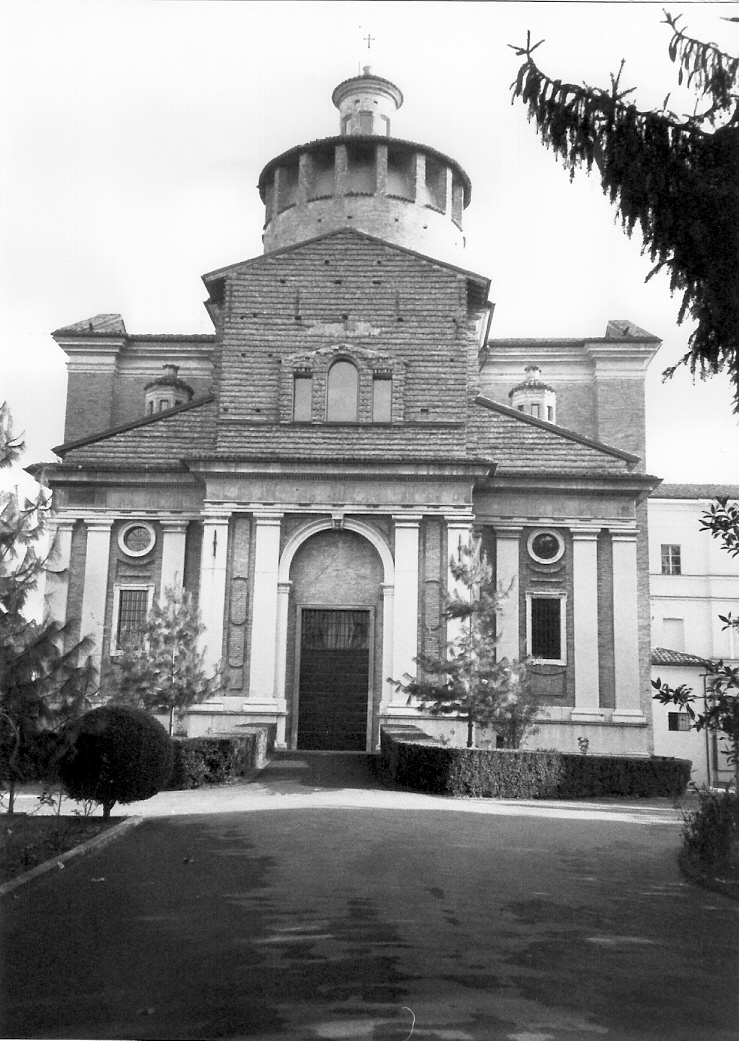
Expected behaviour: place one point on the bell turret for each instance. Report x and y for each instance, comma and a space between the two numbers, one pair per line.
534, 397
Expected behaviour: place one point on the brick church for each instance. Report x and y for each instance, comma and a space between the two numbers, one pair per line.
307, 469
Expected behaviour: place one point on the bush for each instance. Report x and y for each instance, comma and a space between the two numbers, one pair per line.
216, 759
711, 832
415, 760
116, 754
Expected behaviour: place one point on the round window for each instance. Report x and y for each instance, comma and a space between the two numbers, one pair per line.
546, 547
136, 538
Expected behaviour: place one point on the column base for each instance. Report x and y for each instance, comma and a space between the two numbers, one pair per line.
587, 715
632, 717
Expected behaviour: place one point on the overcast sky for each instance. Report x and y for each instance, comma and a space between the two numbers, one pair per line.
132, 135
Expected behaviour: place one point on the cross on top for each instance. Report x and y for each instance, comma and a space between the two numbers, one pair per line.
369, 40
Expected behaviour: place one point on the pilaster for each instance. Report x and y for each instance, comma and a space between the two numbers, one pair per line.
585, 609
263, 686
57, 573
92, 615
507, 541
174, 533
405, 613
625, 629
459, 533
212, 598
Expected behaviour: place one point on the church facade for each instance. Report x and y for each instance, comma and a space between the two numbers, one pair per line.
307, 470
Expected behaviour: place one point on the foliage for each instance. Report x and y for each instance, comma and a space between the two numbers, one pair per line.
417, 761
676, 177
720, 713
161, 668
116, 754
710, 833
216, 759
46, 675
469, 680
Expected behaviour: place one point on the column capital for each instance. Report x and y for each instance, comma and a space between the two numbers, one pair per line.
585, 534
623, 534
407, 520
459, 520
98, 522
268, 518
215, 513
57, 523
508, 531
173, 524
284, 588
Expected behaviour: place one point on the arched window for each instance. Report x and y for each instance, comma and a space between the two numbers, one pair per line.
343, 382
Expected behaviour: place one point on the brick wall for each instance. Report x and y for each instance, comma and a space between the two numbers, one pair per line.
620, 412
89, 403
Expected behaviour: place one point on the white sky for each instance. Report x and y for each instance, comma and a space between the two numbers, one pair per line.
132, 135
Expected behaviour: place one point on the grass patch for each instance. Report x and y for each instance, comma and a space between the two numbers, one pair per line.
26, 842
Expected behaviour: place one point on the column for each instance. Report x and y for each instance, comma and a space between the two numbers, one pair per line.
405, 612
388, 616
174, 533
263, 663
585, 609
94, 595
626, 629
283, 606
212, 597
507, 539
459, 531
57, 573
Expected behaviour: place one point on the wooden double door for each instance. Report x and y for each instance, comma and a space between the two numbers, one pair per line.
334, 679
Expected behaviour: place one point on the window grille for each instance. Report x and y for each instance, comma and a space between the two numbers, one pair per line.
132, 612
671, 562
546, 628
678, 721
335, 630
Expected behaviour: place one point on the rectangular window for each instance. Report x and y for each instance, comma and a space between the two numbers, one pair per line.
302, 398
535, 411
382, 399
163, 403
133, 608
673, 634
545, 618
671, 564
365, 122
678, 721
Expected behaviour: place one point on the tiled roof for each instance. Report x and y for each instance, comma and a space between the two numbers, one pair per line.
518, 442
161, 439
697, 491
100, 324
664, 656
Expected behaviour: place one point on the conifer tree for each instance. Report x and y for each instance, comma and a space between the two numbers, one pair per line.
469, 680
161, 669
46, 674
675, 176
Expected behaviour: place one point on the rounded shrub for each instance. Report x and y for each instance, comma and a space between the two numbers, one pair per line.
116, 754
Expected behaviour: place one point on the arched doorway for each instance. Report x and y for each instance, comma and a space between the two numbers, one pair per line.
335, 638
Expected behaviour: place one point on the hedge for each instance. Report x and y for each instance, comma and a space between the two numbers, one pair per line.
218, 758
414, 760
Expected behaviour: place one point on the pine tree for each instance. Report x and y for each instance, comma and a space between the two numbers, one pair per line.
161, 669
677, 177
469, 680
46, 675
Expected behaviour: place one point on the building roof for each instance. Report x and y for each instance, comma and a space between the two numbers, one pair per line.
664, 656
98, 325
697, 491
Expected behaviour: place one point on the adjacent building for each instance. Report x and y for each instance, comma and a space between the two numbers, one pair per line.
694, 582
307, 469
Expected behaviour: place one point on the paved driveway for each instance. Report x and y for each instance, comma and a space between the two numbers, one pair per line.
321, 908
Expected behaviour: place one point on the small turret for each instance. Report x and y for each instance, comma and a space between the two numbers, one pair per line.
534, 397
167, 391
366, 104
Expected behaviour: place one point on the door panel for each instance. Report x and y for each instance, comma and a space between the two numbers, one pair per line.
334, 680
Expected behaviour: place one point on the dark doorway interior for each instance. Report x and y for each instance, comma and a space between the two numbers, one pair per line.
334, 680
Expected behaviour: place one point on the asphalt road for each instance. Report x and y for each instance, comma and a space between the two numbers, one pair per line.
379, 921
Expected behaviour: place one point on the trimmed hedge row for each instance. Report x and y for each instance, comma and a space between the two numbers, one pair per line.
219, 758
415, 760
